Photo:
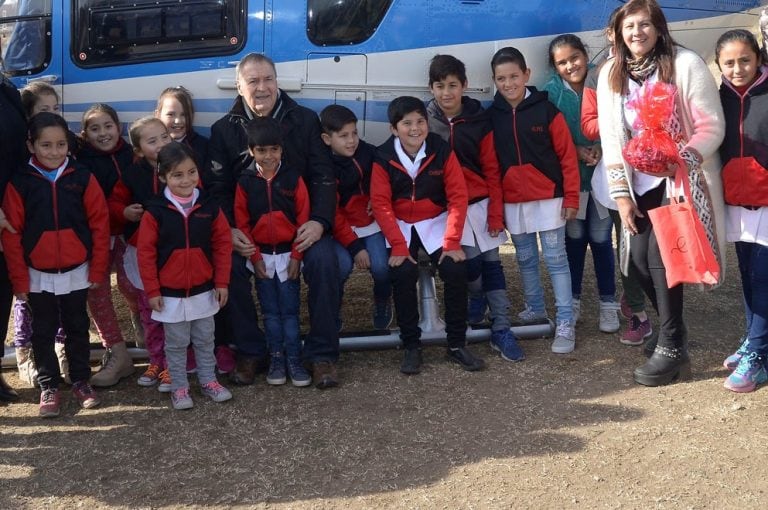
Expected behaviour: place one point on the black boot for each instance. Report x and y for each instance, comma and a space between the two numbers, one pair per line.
665, 365
7, 394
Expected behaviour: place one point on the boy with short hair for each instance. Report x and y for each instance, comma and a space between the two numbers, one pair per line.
354, 226
271, 202
420, 201
462, 122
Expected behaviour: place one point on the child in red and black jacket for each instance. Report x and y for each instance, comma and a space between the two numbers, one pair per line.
185, 255
354, 226
139, 183
419, 199
462, 122
57, 249
540, 185
271, 202
107, 155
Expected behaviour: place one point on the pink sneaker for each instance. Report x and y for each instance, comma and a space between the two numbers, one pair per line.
225, 359
637, 331
85, 395
626, 311
50, 403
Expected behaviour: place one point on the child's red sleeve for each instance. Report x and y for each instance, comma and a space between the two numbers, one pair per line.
569, 160
589, 124
221, 239
489, 163
456, 192
302, 212
98, 222
118, 200
146, 248
243, 218
384, 213
13, 207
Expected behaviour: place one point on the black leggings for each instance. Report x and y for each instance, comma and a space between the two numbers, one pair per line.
651, 274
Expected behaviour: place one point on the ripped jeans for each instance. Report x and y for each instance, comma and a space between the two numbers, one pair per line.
553, 248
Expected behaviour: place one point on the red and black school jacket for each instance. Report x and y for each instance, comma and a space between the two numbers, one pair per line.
438, 186
137, 185
470, 136
60, 225
353, 189
270, 211
182, 256
535, 149
107, 167
744, 151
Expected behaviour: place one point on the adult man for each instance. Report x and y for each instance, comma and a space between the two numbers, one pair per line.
258, 95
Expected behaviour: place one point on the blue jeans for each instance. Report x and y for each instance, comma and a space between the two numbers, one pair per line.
553, 248
596, 233
346, 264
377, 252
485, 277
321, 274
280, 307
753, 266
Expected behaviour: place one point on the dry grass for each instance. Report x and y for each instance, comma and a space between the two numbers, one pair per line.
552, 432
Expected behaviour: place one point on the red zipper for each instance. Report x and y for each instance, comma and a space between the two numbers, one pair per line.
514, 131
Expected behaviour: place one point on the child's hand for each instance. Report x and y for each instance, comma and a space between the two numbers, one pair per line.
294, 267
494, 232
455, 255
362, 260
156, 303
21, 296
94, 285
568, 213
260, 269
133, 212
222, 294
586, 154
397, 260
241, 244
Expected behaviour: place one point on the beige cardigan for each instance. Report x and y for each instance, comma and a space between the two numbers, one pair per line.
703, 123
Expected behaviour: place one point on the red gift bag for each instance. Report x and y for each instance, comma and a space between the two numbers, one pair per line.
685, 250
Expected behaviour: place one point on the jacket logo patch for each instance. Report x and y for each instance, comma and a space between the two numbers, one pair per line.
436, 172
288, 192
72, 186
203, 215
537, 129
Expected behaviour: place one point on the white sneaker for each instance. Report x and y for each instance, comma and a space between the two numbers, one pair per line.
576, 310
609, 318
565, 338
528, 315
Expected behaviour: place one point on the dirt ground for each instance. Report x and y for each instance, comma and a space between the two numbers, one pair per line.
552, 431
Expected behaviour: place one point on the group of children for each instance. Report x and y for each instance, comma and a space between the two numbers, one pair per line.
452, 181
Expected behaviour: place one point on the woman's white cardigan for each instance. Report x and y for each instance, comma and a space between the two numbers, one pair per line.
703, 124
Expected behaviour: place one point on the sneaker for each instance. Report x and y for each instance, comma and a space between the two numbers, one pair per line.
528, 315
150, 376
61, 355
298, 374
609, 319
180, 399
576, 310
25, 362
164, 380
215, 391
85, 395
324, 374
476, 310
412, 360
382, 314
626, 311
276, 373
565, 338
225, 359
748, 374
465, 359
505, 343
732, 361
50, 402
637, 331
